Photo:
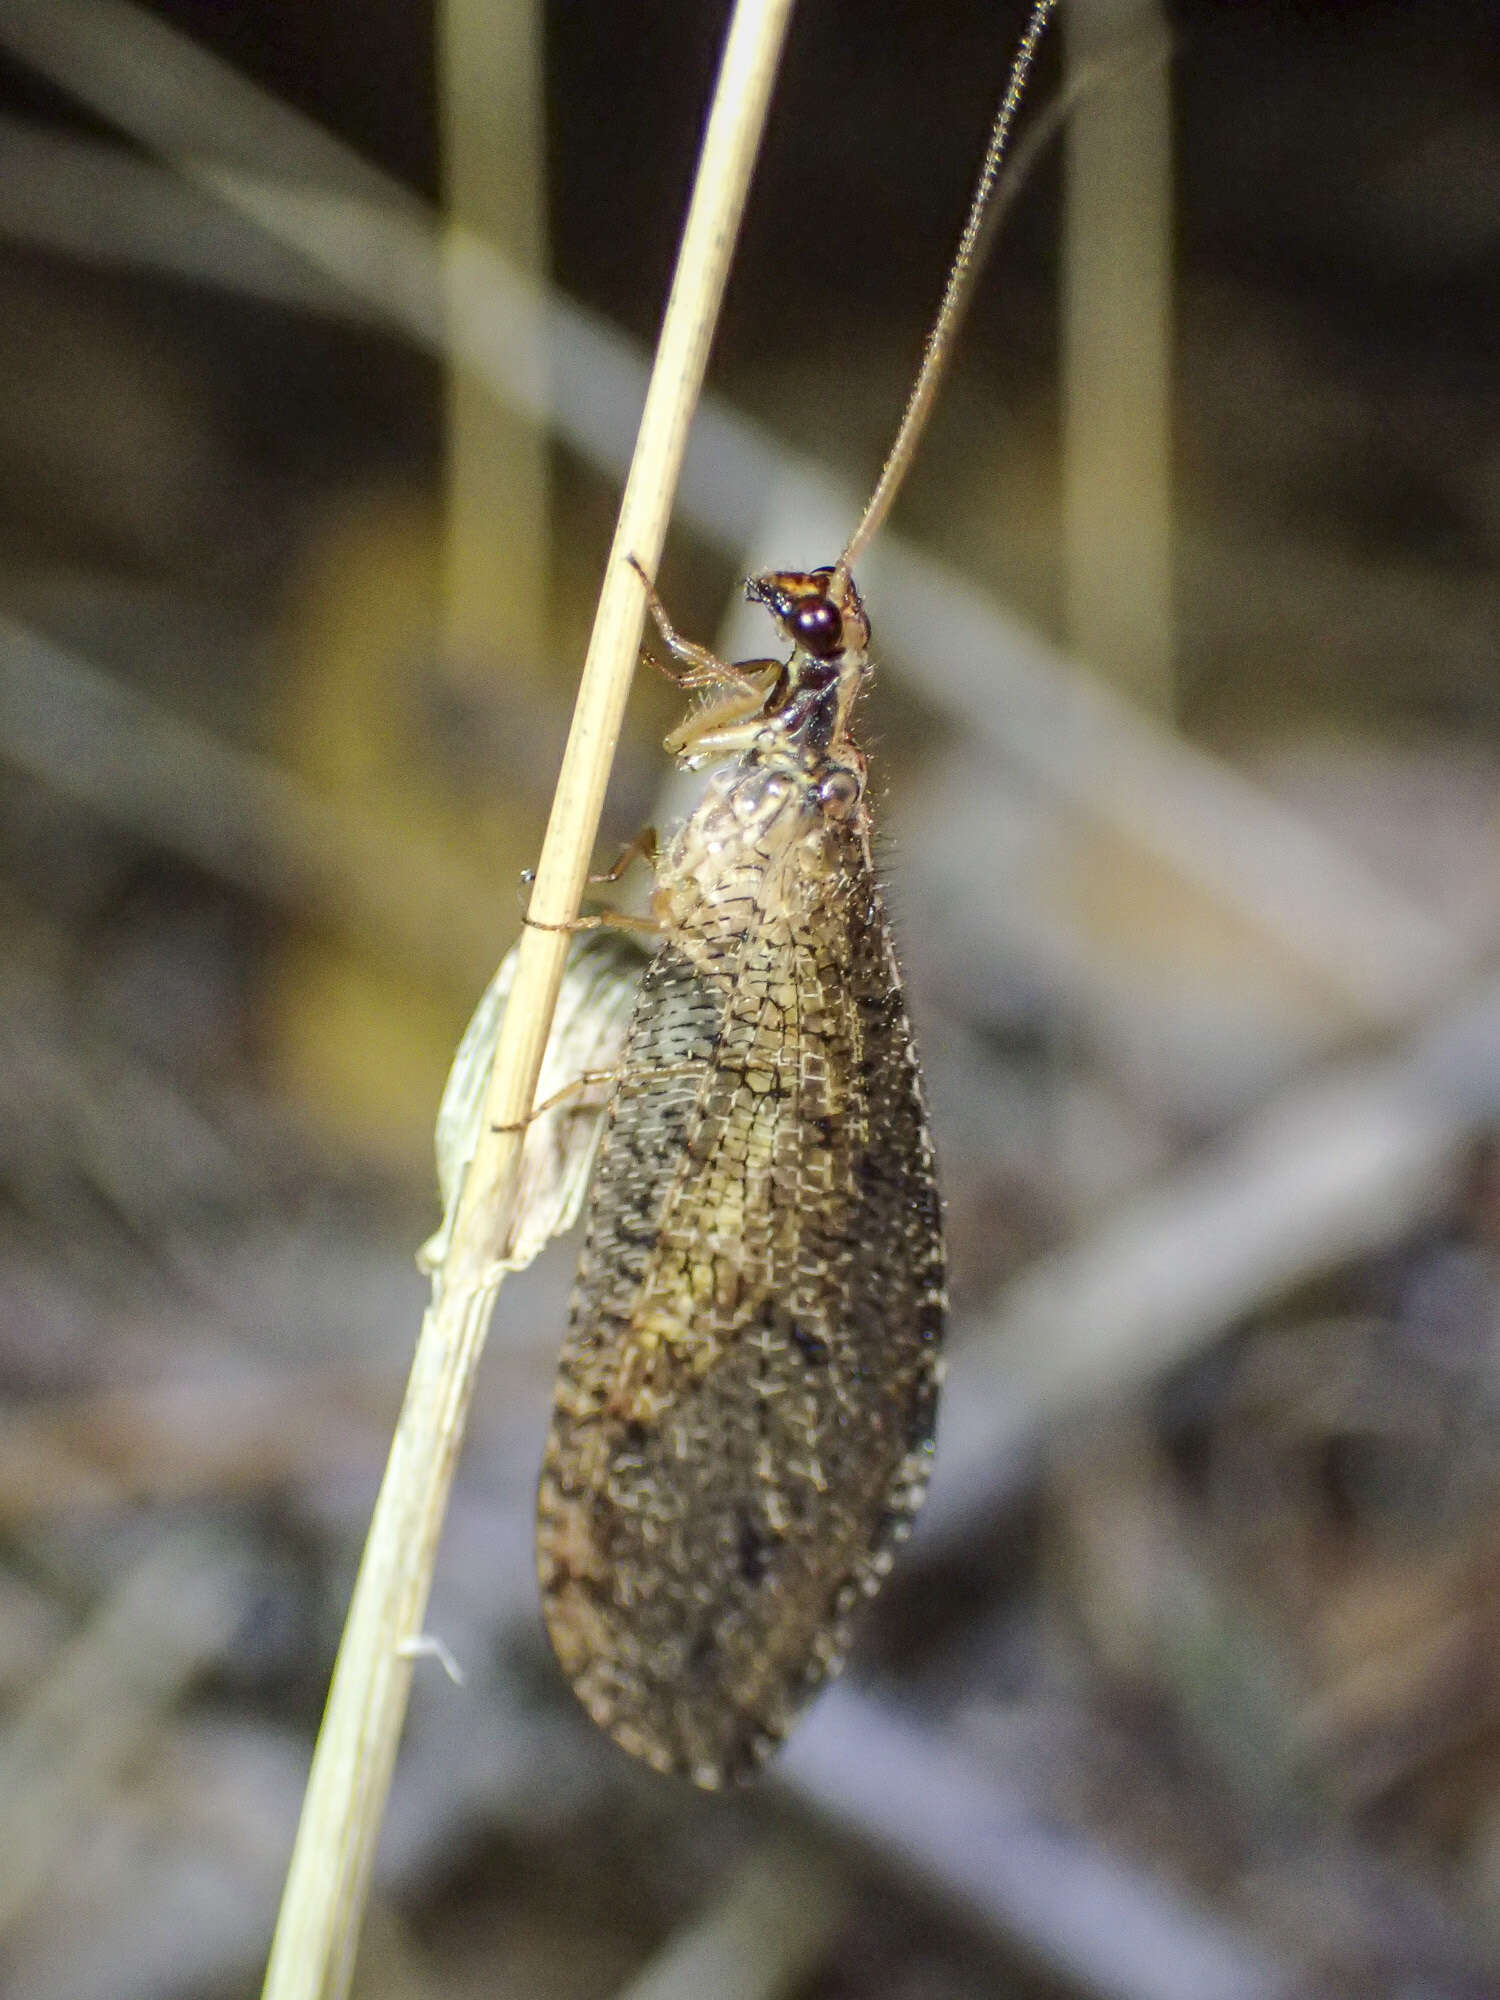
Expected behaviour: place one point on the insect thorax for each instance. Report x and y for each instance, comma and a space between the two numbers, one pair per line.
760, 848
780, 833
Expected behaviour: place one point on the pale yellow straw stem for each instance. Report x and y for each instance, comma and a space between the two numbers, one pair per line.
312, 1956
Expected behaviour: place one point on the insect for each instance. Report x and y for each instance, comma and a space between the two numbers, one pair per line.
748, 1388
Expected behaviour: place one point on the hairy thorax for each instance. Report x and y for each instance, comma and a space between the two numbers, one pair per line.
762, 851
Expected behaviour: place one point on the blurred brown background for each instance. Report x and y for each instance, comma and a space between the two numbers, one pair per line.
1188, 735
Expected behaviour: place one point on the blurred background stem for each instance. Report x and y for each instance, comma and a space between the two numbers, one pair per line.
496, 490
1117, 348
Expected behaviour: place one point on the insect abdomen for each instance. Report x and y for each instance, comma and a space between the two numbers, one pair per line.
748, 1386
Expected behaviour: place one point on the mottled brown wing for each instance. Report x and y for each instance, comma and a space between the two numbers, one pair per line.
747, 1391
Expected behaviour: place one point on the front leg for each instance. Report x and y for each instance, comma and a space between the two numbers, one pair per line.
702, 668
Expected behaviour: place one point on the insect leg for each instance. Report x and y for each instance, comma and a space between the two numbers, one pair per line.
585, 1080
644, 847
603, 920
703, 667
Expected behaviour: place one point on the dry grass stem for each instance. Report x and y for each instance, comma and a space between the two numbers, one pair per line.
317, 1932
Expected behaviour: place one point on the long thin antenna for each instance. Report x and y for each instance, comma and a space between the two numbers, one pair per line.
965, 268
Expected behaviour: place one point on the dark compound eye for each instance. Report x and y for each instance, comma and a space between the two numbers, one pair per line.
817, 627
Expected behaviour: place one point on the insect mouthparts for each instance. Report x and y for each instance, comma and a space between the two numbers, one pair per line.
771, 590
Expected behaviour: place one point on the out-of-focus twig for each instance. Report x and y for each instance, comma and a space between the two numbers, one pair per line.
188, 1441
760, 1937
987, 1848
239, 816
1331, 1169
148, 80
98, 1704
169, 1882
92, 201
